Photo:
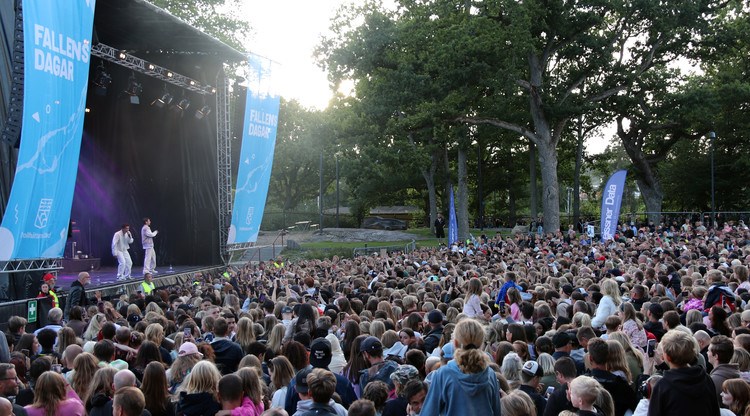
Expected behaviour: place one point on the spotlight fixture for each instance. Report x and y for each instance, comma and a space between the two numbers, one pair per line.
170, 74
151, 67
102, 80
165, 99
183, 104
122, 55
203, 112
134, 89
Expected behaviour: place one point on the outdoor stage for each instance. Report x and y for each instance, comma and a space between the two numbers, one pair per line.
107, 276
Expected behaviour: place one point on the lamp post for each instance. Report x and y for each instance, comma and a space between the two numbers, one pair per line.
712, 137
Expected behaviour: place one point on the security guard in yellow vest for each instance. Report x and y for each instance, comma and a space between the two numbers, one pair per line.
50, 280
148, 284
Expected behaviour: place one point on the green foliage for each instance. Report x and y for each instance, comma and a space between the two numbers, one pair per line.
217, 18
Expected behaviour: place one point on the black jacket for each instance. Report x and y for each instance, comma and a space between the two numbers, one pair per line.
539, 402
432, 339
684, 391
558, 402
197, 404
319, 409
622, 394
76, 297
99, 405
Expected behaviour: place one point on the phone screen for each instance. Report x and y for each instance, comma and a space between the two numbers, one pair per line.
186, 332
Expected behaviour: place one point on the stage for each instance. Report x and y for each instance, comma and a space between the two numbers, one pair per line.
105, 277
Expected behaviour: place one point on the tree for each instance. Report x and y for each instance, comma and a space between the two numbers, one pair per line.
214, 17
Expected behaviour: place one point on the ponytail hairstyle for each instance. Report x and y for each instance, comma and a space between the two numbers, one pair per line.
468, 338
592, 392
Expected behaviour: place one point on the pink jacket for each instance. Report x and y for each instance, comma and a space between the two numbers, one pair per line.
248, 408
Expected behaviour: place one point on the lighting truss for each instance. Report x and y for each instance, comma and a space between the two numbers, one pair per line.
136, 64
32, 265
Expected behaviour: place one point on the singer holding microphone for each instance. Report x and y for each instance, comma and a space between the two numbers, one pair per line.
120, 244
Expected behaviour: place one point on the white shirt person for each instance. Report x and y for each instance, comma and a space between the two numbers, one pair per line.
120, 245
147, 241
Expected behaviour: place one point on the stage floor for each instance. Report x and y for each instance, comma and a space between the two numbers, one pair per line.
106, 276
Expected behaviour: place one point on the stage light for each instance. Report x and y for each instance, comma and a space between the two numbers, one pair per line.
88, 110
134, 89
165, 99
192, 83
213, 90
151, 67
183, 104
203, 112
102, 80
122, 55
170, 74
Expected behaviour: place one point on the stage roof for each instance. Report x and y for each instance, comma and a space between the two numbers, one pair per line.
142, 29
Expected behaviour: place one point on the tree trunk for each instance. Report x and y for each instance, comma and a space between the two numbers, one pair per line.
577, 176
532, 182
550, 188
429, 178
653, 198
462, 199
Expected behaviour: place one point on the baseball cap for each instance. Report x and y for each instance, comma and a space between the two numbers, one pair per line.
448, 351
435, 316
532, 368
567, 289
371, 344
301, 381
561, 339
286, 309
188, 348
48, 277
404, 374
320, 353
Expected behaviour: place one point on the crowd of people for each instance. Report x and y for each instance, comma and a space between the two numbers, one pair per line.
651, 323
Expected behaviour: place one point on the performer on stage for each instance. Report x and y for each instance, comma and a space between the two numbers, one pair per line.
120, 244
147, 241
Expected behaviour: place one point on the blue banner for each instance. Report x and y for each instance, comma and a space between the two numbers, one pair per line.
611, 201
452, 223
256, 156
57, 45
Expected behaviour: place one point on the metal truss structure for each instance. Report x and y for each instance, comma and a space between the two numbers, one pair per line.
32, 265
144, 67
224, 162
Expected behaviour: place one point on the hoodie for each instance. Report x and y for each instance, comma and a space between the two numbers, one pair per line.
100, 405
453, 393
197, 404
684, 391
306, 405
248, 408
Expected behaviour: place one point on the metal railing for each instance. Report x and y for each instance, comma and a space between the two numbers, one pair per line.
367, 250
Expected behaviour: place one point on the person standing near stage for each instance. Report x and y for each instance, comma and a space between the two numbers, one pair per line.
147, 241
77, 295
120, 244
440, 226
147, 284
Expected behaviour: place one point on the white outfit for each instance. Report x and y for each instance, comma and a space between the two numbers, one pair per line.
605, 309
147, 241
120, 245
473, 308
279, 397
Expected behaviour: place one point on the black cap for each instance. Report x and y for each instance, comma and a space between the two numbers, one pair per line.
567, 289
435, 316
320, 353
301, 380
371, 345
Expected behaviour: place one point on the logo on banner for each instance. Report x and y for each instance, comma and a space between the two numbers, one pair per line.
249, 215
42, 214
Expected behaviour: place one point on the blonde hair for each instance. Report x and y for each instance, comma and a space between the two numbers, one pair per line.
181, 367
101, 383
517, 403
616, 360
581, 320
592, 393
85, 366
95, 325
474, 287
275, 338
469, 337
204, 378
245, 333
612, 289
154, 333
251, 384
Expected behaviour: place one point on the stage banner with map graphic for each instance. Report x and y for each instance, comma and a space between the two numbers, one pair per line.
57, 45
256, 156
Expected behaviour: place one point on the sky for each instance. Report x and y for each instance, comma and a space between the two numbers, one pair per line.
287, 31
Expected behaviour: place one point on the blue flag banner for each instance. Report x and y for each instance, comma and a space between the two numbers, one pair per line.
256, 156
611, 201
452, 223
57, 45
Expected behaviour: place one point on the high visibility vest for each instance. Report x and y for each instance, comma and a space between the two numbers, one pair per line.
148, 287
55, 301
